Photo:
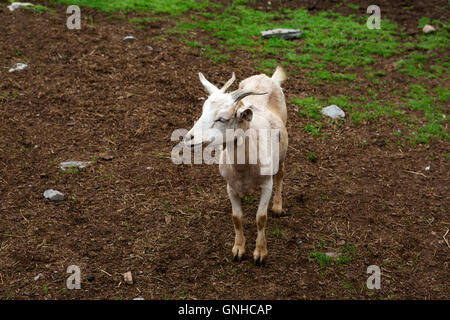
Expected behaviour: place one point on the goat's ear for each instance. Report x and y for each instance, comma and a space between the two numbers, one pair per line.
209, 87
245, 113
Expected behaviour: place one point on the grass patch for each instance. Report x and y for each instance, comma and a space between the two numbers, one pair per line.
39, 8
330, 38
172, 7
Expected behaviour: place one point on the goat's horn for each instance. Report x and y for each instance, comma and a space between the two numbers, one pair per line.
241, 94
228, 84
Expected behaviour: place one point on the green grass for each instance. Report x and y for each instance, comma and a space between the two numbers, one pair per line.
312, 157
321, 258
172, 7
39, 8
348, 253
276, 230
329, 38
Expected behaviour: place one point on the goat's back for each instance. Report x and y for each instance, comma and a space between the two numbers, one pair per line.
274, 100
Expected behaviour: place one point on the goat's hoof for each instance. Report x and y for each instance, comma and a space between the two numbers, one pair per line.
259, 258
277, 209
260, 261
237, 254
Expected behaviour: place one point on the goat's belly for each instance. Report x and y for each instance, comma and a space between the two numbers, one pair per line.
243, 181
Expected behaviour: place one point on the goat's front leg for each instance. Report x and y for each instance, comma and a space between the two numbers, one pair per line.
239, 240
260, 253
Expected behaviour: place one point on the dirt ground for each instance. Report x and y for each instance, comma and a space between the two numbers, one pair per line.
88, 95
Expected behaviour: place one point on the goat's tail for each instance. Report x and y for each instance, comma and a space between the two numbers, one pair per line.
279, 76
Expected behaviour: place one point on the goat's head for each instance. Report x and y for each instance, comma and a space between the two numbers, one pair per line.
221, 111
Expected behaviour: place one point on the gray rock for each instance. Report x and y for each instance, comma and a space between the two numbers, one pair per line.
428, 29
333, 254
72, 164
287, 34
333, 112
18, 67
53, 195
17, 5
128, 278
40, 275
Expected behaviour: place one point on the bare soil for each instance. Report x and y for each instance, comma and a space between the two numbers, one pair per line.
88, 95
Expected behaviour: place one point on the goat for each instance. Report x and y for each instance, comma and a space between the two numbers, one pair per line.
258, 104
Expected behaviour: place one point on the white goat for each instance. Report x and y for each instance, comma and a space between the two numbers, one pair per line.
257, 105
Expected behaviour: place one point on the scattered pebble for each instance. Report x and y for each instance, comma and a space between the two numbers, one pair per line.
399, 131
129, 38
128, 278
428, 29
150, 48
149, 168
138, 298
40, 275
427, 168
71, 164
17, 5
333, 254
299, 242
27, 293
53, 195
286, 34
106, 156
341, 242
18, 67
333, 112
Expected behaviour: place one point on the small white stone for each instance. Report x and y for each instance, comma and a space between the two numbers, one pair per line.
333, 112
40, 275
18, 67
17, 5
333, 254
129, 38
428, 29
138, 298
71, 164
287, 34
53, 195
128, 278
427, 168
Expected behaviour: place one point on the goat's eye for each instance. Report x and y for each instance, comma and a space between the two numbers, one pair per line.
223, 120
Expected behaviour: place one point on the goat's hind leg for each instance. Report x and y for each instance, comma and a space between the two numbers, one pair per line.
239, 240
277, 206
260, 253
